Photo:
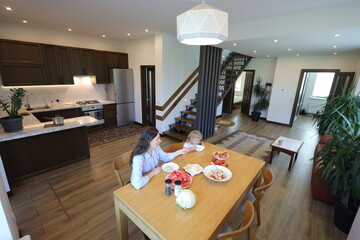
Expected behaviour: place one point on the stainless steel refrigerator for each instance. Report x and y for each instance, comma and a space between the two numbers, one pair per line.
121, 90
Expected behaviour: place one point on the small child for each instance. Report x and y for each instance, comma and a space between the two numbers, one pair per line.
193, 139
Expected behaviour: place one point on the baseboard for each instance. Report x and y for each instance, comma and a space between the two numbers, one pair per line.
282, 124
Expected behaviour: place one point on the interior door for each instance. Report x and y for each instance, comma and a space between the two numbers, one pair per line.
301, 94
342, 82
249, 80
148, 95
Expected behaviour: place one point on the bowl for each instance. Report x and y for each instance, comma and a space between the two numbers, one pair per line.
199, 148
221, 155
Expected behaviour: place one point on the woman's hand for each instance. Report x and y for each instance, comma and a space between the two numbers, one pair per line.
154, 172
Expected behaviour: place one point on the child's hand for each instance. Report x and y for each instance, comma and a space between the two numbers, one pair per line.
192, 149
202, 143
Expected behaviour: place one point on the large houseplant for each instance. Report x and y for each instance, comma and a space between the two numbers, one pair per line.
262, 99
13, 122
340, 157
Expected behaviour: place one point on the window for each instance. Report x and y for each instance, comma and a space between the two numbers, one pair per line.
322, 85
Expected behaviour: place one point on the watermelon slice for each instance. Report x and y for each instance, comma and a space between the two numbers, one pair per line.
179, 175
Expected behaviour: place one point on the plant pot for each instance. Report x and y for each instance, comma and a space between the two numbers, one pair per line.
255, 116
12, 124
343, 217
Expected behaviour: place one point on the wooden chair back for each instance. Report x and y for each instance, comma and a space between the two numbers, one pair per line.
260, 191
245, 225
121, 166
174, 147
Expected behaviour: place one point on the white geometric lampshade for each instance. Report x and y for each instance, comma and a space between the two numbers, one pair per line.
202, 25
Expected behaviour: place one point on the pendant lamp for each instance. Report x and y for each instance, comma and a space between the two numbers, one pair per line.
202, 25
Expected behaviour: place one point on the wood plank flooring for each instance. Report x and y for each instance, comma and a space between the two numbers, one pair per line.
75, 201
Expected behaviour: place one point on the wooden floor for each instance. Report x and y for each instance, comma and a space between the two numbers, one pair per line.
75, 202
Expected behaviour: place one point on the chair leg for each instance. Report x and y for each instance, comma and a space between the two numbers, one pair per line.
250, 232
257, 210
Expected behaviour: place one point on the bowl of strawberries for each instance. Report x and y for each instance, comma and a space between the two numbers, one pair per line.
221, 155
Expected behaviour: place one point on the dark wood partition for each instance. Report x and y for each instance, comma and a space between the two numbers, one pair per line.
209, 67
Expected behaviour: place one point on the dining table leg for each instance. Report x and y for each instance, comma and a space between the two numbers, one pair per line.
121, 222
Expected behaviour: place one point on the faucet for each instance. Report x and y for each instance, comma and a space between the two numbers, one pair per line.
27, 105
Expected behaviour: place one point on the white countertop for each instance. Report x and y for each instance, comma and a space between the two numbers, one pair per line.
58, 106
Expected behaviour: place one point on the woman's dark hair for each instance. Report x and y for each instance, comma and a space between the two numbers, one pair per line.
146, 136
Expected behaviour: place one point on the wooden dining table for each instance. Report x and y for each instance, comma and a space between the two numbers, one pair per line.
158, 215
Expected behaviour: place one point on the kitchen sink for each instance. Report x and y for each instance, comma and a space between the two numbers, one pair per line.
38, 108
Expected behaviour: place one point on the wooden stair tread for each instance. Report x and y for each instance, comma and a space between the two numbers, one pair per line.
182, 127
188, 120
189, 113
191, 106
176, 135
193, 99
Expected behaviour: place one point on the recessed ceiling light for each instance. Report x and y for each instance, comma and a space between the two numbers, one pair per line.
146, 30
103, 35
128, 34
289, 49
334, 46
8, 8
335, 53
337, 35
297, 54
69, 29
268, 55
275, 41
234, 44
24, 21
254, 51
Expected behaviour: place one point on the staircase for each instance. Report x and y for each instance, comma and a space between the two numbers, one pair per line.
231, 69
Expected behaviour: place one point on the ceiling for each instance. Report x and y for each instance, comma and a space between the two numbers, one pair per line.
306, 27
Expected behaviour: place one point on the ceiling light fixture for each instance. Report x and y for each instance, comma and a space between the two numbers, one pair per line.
103, 35
268, 56
202, 25
275, 41
146, 30
8, 8
254, 51
289, 49
297, 54
335, 53
69, 29
128, 34
234, 44
337, 35
334, 46
24, 21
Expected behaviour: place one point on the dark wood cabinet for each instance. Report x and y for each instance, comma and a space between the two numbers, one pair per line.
66, 113
110, 115
118, 60
83, 61
20, 52
57, 65
101, 67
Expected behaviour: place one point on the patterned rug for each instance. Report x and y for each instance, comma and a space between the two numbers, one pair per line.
248, 144
112, 134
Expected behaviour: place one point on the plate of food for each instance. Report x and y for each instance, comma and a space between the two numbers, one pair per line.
221, 155
193, 169
169, 167
179, 175
217, 173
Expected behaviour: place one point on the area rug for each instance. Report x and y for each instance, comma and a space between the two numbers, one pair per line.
248, 144
224, 122
112, 134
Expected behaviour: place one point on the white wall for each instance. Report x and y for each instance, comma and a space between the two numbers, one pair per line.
286, 79
141, 52
265, 68
174, 63
357, 79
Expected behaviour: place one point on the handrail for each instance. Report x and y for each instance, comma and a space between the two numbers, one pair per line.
161, 108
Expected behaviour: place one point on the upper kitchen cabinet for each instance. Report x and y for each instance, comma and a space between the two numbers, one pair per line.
21, 64
58, 64
118, 60
83, 61
101, 67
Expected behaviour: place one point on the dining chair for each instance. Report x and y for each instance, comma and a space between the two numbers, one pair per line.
258, 193
245, 225
122, 167
174, 147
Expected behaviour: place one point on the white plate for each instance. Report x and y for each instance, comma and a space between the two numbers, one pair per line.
169, 167
207, 172
191, 169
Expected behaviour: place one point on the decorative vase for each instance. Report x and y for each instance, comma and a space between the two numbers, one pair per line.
255, 116
12, 124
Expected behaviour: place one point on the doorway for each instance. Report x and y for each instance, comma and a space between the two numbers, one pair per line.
315, 86
148, 95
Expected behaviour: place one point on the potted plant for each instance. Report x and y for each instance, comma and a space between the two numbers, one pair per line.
262, 99
340, 157
13, 122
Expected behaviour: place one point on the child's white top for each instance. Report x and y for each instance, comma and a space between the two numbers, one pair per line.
188, 145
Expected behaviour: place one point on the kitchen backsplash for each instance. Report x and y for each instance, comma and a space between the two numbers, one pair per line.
65, 94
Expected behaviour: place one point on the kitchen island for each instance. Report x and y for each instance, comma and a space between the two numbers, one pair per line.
37, 148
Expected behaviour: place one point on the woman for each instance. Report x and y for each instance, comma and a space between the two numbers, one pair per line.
146, 155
